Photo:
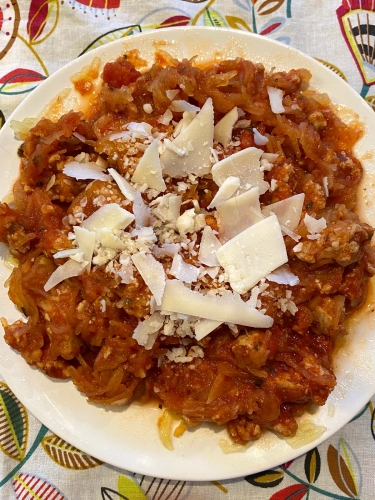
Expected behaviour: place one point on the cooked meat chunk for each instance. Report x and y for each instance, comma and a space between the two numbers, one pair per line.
340, 242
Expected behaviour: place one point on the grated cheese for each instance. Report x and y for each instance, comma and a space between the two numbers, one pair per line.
146, 332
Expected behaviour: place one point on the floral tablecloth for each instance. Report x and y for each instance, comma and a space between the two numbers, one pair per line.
37, 37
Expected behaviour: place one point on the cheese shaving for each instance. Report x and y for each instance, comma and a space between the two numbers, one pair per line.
314, 225
204, 327
86, 242
70, 269
110, 216
246, 166
283, 276
225, 191
259, 139
148, 170
178, 298
124, 186
181, 106
208, 248
85, 171
224, 128
276, 99
253, 254
183, 271
152, 273
141, 211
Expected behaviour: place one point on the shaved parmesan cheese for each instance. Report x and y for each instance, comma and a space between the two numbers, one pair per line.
212, 271
259, 139
140, 130
63, 254
147, 331
86, 242
110, 216
124, 186
167, 207
174, 148
208, 247
226, 190
181, 106
242, 124
171, 94
224, 128
253, 254
177, 298
283, 276
85, 171
168, 249
148, 170
205, 326
101, 162
271, 157
183, 271
187, 118
238, 213
166, 118
141, 211
276, 99
199, 133
297, 248
152, 273
246, 166
108, 239
122, 136
314, 225
70, 269
325, 186
288, 211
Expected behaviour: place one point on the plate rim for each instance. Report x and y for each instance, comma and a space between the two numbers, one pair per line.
80, 61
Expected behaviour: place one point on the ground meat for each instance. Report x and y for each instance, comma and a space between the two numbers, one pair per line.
119, 73
340, 242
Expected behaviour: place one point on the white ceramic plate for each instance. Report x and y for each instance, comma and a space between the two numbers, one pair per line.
128, 437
